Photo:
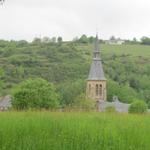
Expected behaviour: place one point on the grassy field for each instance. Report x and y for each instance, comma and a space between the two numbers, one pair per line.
73, 131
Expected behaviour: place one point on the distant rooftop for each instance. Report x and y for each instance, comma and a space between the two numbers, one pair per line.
120, 107
5, 102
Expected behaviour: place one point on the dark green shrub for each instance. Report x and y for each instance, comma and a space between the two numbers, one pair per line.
138, 106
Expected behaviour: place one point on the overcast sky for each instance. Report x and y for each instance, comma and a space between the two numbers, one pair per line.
25, 19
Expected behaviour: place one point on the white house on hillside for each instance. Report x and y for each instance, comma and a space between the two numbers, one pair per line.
114, 41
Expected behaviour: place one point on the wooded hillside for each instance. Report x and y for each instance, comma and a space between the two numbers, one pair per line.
66, 64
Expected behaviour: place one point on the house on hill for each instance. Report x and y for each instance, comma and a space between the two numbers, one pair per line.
114, 41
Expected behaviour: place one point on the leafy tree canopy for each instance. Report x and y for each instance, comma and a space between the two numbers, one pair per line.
138, 106
35, 93
126, 67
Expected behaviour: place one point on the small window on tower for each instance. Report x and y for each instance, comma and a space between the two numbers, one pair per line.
96, 89
100, 89
89, 88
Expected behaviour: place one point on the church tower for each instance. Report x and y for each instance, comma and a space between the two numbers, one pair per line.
96, 82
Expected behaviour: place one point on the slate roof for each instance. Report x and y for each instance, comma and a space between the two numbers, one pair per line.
96, 70
5, 102
120, 107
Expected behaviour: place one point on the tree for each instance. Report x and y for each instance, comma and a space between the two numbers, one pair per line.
112, 38
59, 40
145, 40
112, 89
138, 106
53, 39
124, 92
35, 93
46, 39
84, 103
134, 83
83, 39
22, 43
70, 90
36, 40
91, 39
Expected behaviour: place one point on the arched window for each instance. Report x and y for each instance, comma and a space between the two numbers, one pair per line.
100, 90
96, 90
89, 88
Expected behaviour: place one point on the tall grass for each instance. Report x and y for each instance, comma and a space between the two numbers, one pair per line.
73, 131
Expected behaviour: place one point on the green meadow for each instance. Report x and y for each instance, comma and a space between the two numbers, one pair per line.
73, 131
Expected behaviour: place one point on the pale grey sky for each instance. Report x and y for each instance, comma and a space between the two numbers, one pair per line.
26, 19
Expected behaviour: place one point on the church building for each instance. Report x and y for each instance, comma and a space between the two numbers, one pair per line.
96, 82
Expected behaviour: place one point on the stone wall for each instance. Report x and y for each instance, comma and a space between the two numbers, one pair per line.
91, 90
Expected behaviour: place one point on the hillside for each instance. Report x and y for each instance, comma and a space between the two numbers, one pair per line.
127, 67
